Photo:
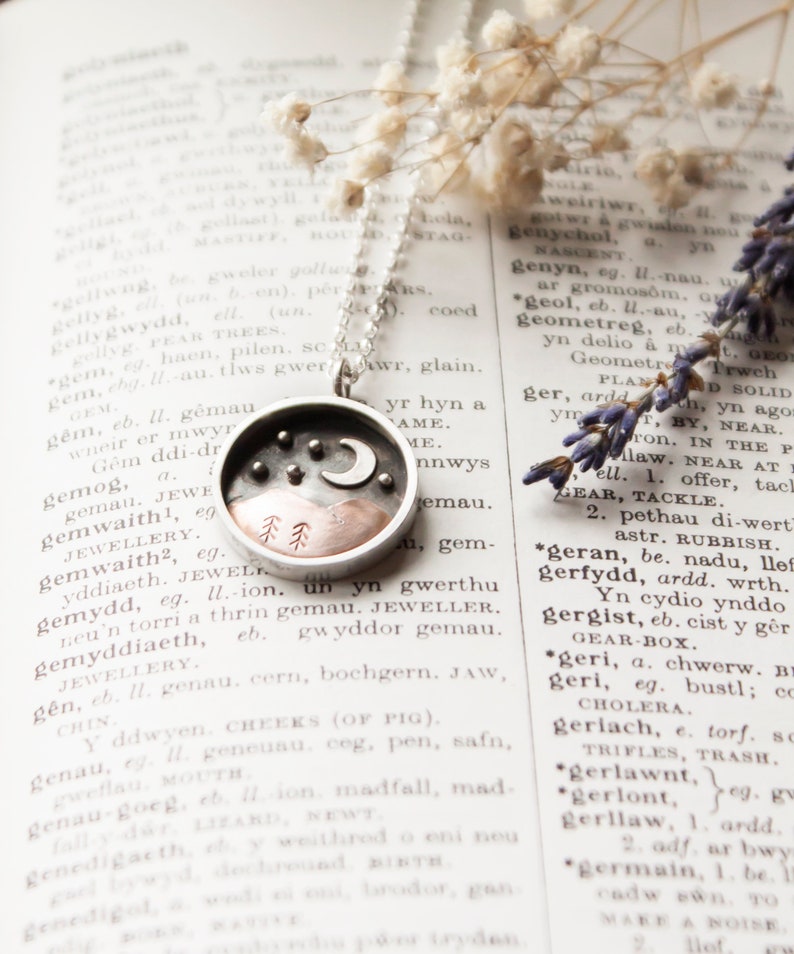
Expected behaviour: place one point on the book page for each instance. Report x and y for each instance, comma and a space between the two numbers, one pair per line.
531, 707
657, 606
656, 600
210, 756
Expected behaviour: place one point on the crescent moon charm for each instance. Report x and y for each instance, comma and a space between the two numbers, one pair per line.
361, 471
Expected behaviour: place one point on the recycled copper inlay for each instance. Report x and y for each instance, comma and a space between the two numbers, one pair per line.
291, 525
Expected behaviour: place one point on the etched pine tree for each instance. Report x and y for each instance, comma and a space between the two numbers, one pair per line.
269, 528
300, 535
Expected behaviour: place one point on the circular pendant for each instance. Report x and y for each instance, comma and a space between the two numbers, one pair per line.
316, 488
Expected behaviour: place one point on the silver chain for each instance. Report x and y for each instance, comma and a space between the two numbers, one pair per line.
343, 372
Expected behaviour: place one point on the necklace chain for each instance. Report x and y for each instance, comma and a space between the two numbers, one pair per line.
343, 372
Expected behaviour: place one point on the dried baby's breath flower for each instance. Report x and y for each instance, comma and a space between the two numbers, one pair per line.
655, 165
471, 123
370, 161
569, 83
460, 89
502, 31
305, 149
577, 48
539, 85
392, 84
513, 137
542, 9
655, 110
692, 165
510, 174
386, 126
555, 156
519, 190
448, 167
504, 77
712, 87
286, 114
608, 137
345, 198
456, 52
674, 175
673, 192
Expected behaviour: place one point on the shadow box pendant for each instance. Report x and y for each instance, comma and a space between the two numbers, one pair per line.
316, 488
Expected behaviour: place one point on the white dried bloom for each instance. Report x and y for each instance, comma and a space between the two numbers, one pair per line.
674, 192
471, 123
391, 83
608, 137
542, 9
578, 48
555, 156
305, 149
502, 80
523, 190
286, 114
510, 173
540, 83
510, 190
655, 165
657, 110
692, 165
369, 161
766, 87
345, 197
502, 32
456, 52
460, 88
386, 126
674, 176
514, 139
448, 168
712, 87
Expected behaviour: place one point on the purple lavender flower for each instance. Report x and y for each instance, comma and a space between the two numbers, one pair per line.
759, 315
684, 379
768, 259
773, 247
707, 346
768, 262
781, 273
591, 451
730, 303
624, 432
596, 435
752, 251
661, 397
675, 388
782, 209
611, 413
557, 470
576, 436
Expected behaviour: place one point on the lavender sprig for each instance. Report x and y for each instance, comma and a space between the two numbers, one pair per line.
767, 260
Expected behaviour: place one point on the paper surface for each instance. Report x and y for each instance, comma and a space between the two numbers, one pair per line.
539, 725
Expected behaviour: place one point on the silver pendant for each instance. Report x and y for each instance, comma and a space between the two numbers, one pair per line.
316, 488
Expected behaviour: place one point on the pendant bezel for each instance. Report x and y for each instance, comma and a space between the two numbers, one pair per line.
351, 419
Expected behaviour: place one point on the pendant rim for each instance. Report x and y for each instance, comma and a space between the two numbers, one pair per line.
331, 566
